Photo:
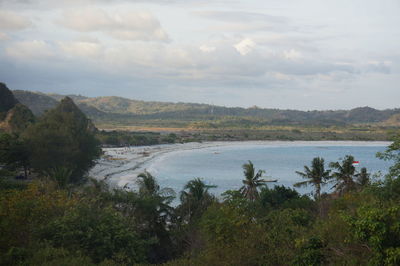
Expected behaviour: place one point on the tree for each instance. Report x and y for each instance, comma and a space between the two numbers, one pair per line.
252, 181
344, 175
281, 197
61, 175
392, 153
157, 201
14, 153
100, 233
195, 199
153, 208
363, 178
63, 137
316, 176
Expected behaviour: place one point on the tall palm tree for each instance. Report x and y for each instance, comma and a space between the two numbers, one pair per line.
252, 181
195, 198
154, 213
345, 172
363, 178
316, 176
147, 184
161, 198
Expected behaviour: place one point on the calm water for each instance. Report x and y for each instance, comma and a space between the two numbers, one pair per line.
222, 166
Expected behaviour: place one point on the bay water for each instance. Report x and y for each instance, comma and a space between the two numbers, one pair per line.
222, 165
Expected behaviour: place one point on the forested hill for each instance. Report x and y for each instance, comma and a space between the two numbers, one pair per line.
14, 116
123, 110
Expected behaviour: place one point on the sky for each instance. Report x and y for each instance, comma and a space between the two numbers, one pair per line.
286, 54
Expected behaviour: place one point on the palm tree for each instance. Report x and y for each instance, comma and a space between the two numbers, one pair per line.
154, 213
344, 175
195, 198
147, 184
252, 181
160, 198
316, 176
61, 175
363, 178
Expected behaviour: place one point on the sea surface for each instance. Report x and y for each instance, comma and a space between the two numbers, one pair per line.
222, 166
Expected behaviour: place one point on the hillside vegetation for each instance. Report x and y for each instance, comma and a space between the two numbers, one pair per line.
14, 116
123, 108
210, 122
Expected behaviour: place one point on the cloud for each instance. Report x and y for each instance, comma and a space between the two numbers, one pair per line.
236, 16
45, 4
378, 66
12, 21
292, 54
131, 25
35, 49
3, 36
81, 48
236, 21
245, 46
207, 49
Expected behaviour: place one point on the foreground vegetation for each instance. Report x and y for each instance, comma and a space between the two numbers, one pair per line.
49, 222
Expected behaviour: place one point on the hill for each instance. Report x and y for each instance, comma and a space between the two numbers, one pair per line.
120, 111
14, 116
37, 102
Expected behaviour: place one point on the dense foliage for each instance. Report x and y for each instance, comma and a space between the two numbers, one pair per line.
357, 224
63, 137
61, 144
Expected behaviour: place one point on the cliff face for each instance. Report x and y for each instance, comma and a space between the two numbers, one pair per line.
14, 117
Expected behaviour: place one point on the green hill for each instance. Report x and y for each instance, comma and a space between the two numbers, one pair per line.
114, 110
14, 116
37, 102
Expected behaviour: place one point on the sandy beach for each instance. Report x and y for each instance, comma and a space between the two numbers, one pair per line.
120, 166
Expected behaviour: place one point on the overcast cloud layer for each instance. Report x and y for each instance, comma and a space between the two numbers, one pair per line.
305, 55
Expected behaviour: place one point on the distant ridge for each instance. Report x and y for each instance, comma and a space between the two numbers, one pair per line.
127, 110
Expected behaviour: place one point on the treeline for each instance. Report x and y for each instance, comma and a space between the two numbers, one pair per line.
131, 138
127, 138
53, 222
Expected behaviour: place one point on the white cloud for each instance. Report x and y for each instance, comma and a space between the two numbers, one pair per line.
235, 16
30, 50
207, 49
237, 21
292, 54
12, 21
245, 46
132, 25
81, 49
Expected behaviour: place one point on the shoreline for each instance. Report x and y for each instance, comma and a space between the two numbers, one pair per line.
120, 166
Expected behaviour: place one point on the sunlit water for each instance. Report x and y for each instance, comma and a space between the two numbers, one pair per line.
222, 166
